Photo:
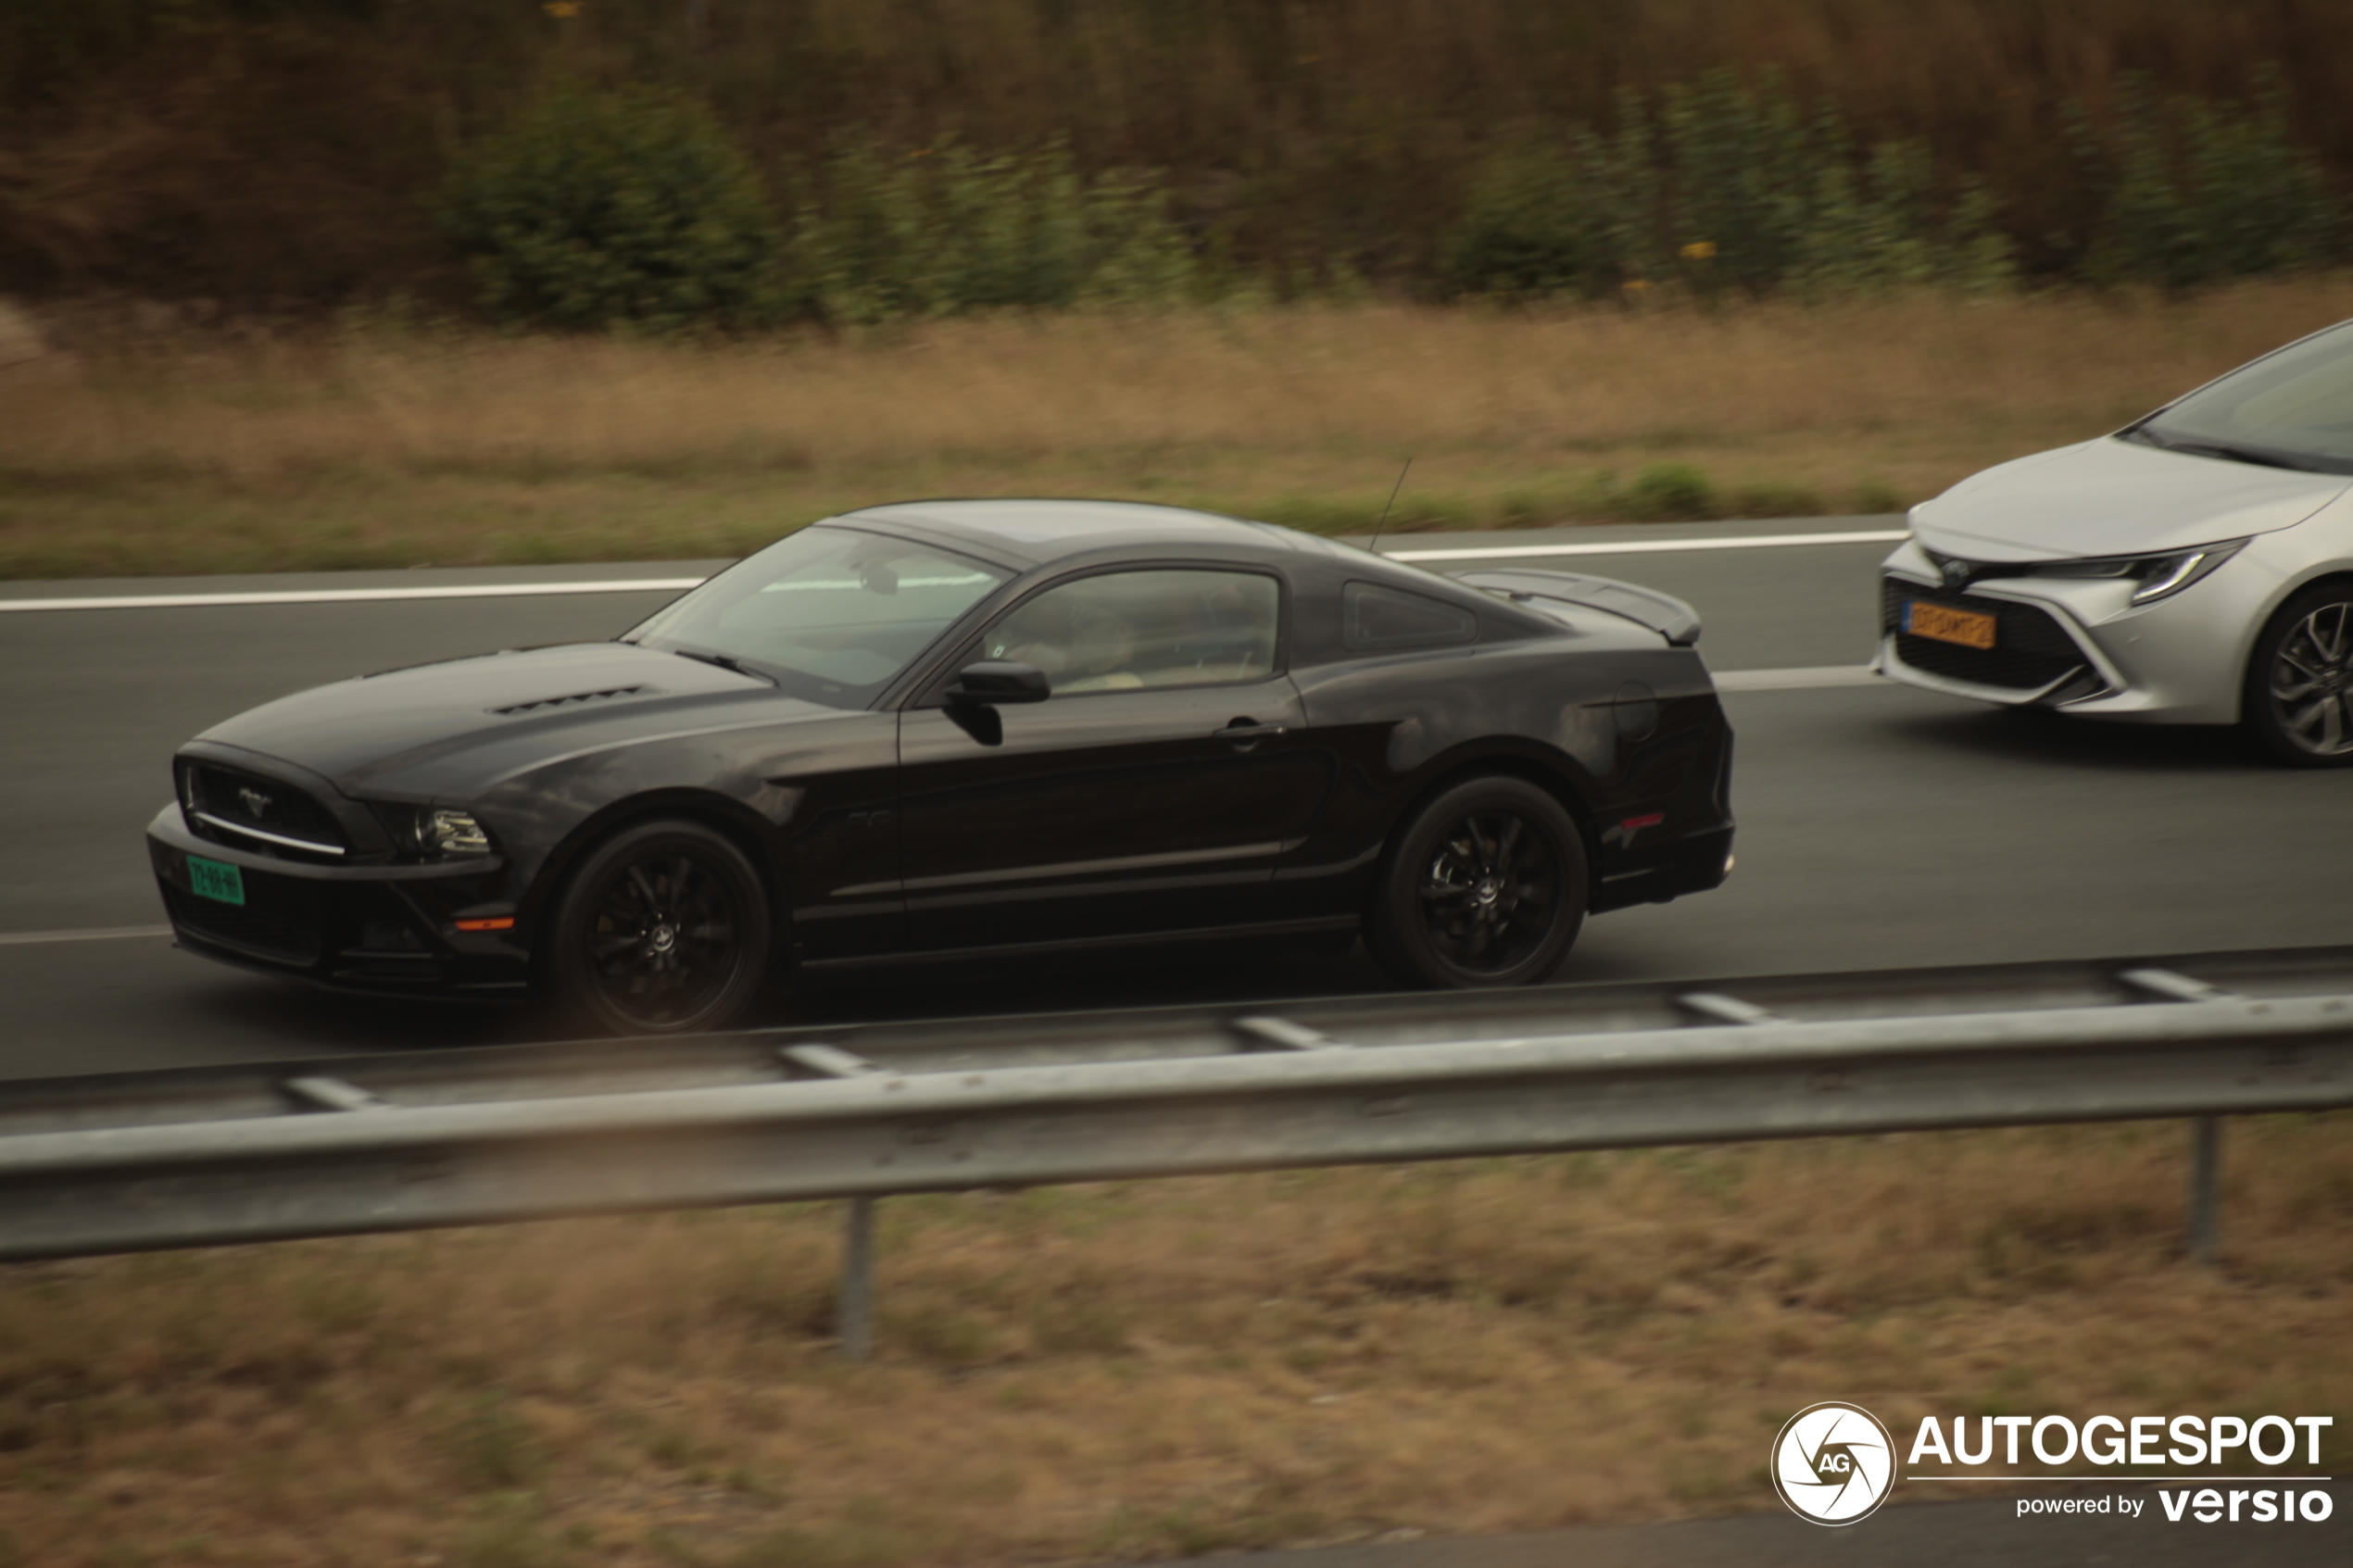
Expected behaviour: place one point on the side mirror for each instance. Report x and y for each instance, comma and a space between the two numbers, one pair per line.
995, 681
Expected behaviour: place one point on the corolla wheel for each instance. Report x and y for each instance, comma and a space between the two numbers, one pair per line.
663, 929
1485, 886
2299, 689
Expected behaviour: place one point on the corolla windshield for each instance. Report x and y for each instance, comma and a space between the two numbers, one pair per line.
2292, 409
831, 614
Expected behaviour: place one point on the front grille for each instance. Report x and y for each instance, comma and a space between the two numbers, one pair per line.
2031, 650
275, 921
243, 799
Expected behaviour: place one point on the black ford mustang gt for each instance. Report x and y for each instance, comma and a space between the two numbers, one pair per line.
951, 728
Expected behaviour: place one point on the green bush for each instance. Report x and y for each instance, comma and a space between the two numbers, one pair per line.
1718, 187
1668, 492
881, 235
592, 210
2189, 191
1529, 227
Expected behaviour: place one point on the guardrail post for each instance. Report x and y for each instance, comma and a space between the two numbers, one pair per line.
854, 1310
2206, 1140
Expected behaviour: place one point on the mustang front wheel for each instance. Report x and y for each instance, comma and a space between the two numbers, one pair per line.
1485, 886
2299, 684
661, 930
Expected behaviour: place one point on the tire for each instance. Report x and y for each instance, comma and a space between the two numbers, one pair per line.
661, 929
2298, 702
1485, 886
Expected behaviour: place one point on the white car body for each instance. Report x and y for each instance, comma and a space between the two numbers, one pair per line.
2181, 659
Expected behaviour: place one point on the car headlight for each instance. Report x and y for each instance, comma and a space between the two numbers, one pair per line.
451, 833
2155, 577
434, 832
2170, 575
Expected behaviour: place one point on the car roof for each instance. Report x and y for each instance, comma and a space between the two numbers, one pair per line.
1037, 532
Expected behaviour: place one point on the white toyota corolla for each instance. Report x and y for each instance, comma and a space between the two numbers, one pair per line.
2194, 568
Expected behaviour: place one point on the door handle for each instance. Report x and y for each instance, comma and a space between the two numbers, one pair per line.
1243, 734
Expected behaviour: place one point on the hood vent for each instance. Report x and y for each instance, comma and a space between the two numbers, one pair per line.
550, 704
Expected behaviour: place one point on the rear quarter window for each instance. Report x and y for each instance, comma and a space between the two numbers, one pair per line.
1376, 619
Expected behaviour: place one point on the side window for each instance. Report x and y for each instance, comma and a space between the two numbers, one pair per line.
1381, 619
1128, 630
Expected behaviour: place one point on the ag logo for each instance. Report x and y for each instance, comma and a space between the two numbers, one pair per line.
1834, 1463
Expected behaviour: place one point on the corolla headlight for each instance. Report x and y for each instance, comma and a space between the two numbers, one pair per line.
2170, 575
2156, 577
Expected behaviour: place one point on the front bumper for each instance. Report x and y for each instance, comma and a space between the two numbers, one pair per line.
385, 930
2081, 646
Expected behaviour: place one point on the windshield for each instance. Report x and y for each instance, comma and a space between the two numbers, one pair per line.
831, 614
2291, 409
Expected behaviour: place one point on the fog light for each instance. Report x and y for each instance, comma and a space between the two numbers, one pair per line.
390, 936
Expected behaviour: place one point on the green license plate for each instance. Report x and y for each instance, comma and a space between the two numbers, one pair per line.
215, 879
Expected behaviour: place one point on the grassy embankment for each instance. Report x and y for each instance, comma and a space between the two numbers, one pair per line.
1131, 1372
173, 452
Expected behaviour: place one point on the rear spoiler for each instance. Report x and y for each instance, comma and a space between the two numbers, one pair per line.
1663, 613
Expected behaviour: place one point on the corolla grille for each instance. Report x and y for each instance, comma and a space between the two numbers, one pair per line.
2029, 651
549, 703
229, 806
271, 923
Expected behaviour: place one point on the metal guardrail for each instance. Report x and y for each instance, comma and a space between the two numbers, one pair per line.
204, 1157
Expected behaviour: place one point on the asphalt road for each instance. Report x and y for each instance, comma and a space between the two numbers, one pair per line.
1935, 1535
1880, 826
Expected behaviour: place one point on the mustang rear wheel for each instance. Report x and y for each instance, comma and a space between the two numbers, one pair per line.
663, 929
2299, 684
1485, 886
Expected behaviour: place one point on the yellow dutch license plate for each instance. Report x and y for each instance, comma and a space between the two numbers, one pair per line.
1965, 627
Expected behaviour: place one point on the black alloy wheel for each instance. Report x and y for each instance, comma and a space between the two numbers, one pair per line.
1486, 886
663, 929
2298, 704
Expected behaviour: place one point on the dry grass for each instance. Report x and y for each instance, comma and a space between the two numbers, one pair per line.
1135, 1371
174, 453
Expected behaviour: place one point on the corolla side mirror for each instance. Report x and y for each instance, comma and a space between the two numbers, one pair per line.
996, 679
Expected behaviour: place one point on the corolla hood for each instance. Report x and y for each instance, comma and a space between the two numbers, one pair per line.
516, 706
2112, 497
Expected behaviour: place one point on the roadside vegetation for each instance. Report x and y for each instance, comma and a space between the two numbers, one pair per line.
278, 156
387, 284
142, 447
1134, 1372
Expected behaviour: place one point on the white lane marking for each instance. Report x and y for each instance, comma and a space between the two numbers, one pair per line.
358, 596
1638, 547
101, 933
1796, 679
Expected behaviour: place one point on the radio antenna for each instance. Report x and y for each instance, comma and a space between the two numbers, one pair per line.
1375, 546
